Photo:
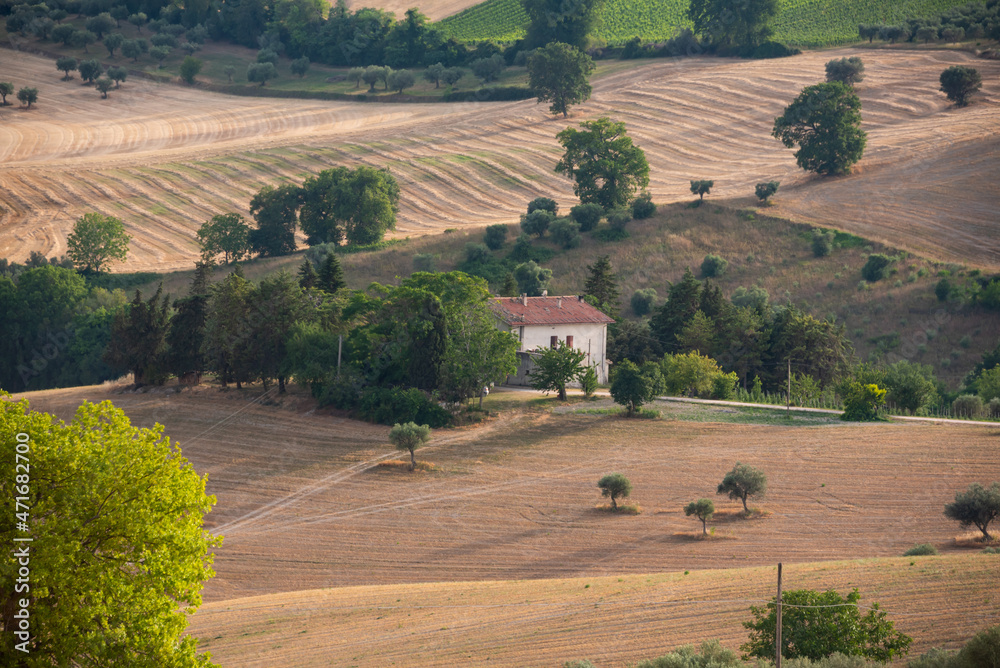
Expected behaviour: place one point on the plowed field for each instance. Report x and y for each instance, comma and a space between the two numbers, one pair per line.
166, 158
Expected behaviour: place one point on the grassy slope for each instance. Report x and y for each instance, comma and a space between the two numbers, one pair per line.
801, 22
610, 620
766, 251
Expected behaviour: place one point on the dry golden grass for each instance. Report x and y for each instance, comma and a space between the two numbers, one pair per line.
435, 10
614, 621
166, 158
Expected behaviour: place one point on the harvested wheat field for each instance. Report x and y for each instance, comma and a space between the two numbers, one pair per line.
939, 601
435, 10
303, 504
166, 158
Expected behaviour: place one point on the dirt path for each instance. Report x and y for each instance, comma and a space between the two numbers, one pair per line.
166, 158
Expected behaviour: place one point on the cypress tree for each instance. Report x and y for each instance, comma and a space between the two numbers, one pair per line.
307, 275
138, 338
331, 276
602, 285
683, 302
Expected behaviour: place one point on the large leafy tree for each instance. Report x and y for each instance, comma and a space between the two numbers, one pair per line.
96, 241
566, 21
558, 73
816, 624
275, 306
825, 122
959, 83
119, 552
186, 336
478, 353
614, 485
227, 329
607, 167
226, 233
556, 367
275, 210
358, 205
139, 338
725, 23
977, 506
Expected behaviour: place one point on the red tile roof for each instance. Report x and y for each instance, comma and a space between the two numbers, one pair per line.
547, 311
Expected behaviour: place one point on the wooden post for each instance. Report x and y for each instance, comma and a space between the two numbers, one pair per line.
777, 628
788, 398
340, 347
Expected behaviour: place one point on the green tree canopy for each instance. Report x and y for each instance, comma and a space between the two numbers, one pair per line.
742, 482
602, 285
630, 387
726, 23
227, 329
977, 506
703, 509
558, 73
532, 279
607, 167
190, 68
816, 624
276, 213
358, 205
566, 21
825, 122
97, 240
226, 233
139, 338
959, 83
555, 367
614, 485
409, 437
114, 509
845, 70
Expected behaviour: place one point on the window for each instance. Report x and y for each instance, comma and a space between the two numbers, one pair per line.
569, 341
553, 340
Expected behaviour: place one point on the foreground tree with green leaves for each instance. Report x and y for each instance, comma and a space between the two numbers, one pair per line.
977, 506
825, 122
607, 167
614, 485
96, 241
226, 233
558, 74
630, 388
139, 542
742, 482
817, 624
555, 367
409, 437
703, 509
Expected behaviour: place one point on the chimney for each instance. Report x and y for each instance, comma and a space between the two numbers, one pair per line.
579, 298
524, 298
545, 293
559, 303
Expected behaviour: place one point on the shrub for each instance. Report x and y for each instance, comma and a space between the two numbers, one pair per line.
565, 232
619, 218
822, 242
588, 215
610, 234
876, 267
967, 406
496, 236
390, 405
545, 204
764, 191
537, 222
983, 650
724, 386
643, 300
476, 253
862, 402
713, 266
643, 207
190, 68
424, 262
921, 550
959, 83
993, 408
711, 655
588, 382
942, 290
579, 663
845, 70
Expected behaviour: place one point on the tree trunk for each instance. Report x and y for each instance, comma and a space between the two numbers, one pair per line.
745, 509
986, 534
281, 384
704, 528
239, 385
413, 460
562, 393
614, 506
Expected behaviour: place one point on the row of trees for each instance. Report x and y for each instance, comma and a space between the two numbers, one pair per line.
26, 95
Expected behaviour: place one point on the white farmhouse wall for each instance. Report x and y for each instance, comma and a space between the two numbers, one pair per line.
591, 338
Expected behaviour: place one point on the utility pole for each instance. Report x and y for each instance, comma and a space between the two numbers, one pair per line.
777, 628
340, 348
788, 397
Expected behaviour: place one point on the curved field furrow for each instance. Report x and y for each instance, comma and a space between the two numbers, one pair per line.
167, 158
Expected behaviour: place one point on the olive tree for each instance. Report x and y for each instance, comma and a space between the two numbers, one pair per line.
66, 64
845, 70
742, 482
701, 188
615, 485
409, 437
959, 83
104, 85
703, 509
765, 190
977, 506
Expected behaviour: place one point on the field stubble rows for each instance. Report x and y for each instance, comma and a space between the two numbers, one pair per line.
166, 158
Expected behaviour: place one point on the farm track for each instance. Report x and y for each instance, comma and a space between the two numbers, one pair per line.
166, 158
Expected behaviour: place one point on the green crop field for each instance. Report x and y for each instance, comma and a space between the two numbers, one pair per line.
799, 22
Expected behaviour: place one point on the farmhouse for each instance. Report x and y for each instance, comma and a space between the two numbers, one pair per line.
538, 322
